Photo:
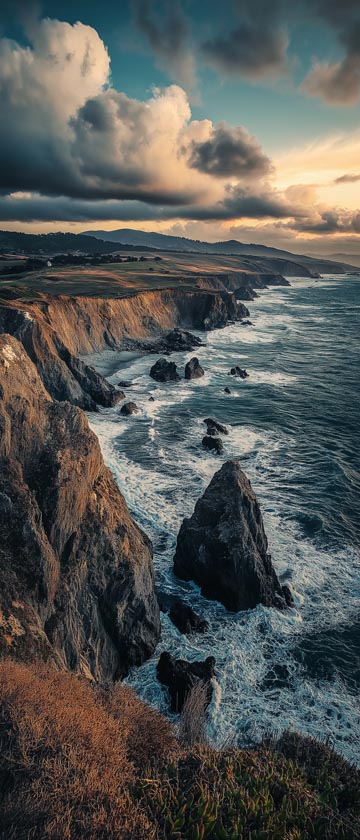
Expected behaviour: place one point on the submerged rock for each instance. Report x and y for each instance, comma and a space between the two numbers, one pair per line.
223, 545
193, 369
214, 444
181, 676
164, 371
227, 390
238, 371
125, 383
129, 408
186, 619
214, 427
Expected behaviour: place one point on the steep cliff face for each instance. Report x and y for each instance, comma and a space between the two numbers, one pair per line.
76, 572
55, 330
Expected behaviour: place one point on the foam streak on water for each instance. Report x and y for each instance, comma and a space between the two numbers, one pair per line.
294, 425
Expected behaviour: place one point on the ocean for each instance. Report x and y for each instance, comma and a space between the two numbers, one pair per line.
294, 425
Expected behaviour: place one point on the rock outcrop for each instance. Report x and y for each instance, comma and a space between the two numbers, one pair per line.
164, 371
193, 369
76, 574
181, 676
238, 371
129, 408
214, 427
223, 546
186, 619
214, 444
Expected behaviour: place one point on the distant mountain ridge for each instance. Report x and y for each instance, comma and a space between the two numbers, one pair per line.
141, 238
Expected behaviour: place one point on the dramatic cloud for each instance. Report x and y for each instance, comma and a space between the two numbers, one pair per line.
228, 152
168, 33
330, 222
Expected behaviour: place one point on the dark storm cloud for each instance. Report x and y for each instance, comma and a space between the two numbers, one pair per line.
249, 50
230, 152
37, 208
242, 203
347, 179
167, 31
338, 82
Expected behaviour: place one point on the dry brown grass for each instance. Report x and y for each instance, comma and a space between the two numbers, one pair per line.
66, 763
79, 761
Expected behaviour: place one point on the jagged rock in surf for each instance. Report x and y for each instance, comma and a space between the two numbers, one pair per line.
129, 408
186, 619
193, 369
181, 676
238, 371
214, 427
227, 390
223, 545
214, 444
164, 371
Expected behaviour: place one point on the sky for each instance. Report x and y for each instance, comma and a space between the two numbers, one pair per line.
238, 119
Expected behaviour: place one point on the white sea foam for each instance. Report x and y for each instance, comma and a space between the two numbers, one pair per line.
260, 686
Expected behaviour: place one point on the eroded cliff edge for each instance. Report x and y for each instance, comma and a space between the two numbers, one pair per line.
56, 330
76, 572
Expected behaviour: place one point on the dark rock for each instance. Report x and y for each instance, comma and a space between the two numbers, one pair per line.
223, 545
238, 371
213, 427
76, 573
193, 369
227, 390
151, 399
181, 676
186, 619
164, 371
129, 408
214, 444
125, 383
287, 593
181, 340
246, 324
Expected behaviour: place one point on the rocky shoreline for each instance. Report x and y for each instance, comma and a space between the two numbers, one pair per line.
90, 602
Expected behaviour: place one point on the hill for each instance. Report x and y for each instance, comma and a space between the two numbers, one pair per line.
140, 238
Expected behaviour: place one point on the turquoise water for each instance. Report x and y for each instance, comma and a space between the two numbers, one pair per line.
294, 425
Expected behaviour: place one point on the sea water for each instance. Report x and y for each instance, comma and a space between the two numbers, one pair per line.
294, 425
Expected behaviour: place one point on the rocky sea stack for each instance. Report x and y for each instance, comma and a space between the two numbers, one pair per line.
193, 369
223, 545
164, 371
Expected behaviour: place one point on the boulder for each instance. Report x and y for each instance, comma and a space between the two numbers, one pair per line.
181, 676
223, 545
181, 340
227, 390
164, 371
129, 408
214, 444
125, 383
193, 369
186, 619
238, 371
214, 427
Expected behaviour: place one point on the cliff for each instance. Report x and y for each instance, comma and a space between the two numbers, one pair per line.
55, 330
76, 572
